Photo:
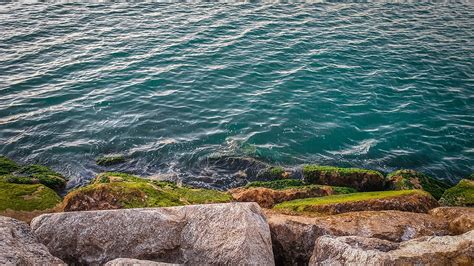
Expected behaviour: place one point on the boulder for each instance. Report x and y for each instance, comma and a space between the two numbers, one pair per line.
360, 179
135, 262
233, 233
433, 250
410, 179
267, 198
18, 246
112, 190
294, 236
402, 200
460, 219
460, 195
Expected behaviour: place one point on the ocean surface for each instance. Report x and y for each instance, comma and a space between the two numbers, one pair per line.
169, 85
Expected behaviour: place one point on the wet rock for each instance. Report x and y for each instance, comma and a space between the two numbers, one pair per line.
360, 179
460, 219
267, 194
294, 236
402, 200
460, 195
233, 233
119, 190
410, 179
135, 262
267, 198
18, 245
434, 250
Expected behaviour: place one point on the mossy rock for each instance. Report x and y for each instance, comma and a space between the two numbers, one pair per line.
410, 179
33, 174
119, 190
460, 195
27, 197
277, 184
271, 173
7, 166
403, 200
295, 184
360, 179
110, 160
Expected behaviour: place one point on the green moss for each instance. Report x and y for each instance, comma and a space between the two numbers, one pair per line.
361, 179
274, 172
21, 197
41, 174
7, 166
409, 179
343, 190
131, 191
277, 184
110, 160
109, 177
460, 195
300, 205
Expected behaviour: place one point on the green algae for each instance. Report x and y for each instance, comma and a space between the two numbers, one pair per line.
301, 205
7, 166
274, 172
129, 191
410, 179
110, 160
361, 179
27, 197
460, 195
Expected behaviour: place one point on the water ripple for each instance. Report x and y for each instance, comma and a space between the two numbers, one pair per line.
374, 85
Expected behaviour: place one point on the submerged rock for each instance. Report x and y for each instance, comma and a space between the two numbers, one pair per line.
460, 219
233, 233
110, 160
360, 179
409, 179
293, 237
460, 195
118, 190
402, 200
18, 246
434, 250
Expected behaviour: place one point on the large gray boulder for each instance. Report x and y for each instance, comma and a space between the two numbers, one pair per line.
232, 233
294, 236
18, 246
434, 250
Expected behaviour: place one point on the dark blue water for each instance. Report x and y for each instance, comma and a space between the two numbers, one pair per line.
380, 86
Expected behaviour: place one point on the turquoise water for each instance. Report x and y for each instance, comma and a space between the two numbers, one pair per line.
380, 86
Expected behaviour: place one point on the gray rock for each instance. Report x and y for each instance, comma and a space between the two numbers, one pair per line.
294, 236
135, 262
434, 250
233, 233
18, 245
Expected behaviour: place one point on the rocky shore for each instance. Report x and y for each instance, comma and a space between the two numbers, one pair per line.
320, 215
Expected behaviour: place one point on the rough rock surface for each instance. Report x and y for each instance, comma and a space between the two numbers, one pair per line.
18, 246
410, 179
460, 219
416, 201
434, 250
294, 236
267, 198
360, 179
233, 233
135, 262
